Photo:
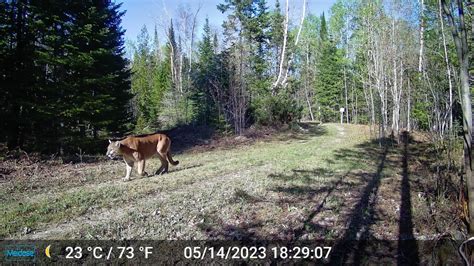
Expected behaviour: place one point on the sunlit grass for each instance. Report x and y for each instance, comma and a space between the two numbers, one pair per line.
203, 184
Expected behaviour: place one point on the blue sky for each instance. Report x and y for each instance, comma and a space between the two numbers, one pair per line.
148, 12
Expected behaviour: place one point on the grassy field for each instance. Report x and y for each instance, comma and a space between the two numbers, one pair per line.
325, 181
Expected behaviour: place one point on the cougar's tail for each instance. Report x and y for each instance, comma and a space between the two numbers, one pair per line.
170, 159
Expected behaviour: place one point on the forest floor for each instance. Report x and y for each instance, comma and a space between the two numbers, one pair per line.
320, 181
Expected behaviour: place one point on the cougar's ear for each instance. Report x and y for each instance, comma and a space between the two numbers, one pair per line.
117, 143
110, 141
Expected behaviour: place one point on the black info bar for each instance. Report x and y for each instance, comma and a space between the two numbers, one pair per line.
143, 252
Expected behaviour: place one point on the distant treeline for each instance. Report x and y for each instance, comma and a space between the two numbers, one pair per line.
391, 64
66, 83
220, 80
63, 75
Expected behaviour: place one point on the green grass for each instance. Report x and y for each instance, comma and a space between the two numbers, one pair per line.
256, 190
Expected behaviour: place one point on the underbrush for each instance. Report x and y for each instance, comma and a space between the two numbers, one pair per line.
438, 161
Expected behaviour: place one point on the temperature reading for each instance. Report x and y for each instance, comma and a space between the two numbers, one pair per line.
110, 253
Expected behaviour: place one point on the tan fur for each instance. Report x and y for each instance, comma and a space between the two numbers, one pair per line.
137, 149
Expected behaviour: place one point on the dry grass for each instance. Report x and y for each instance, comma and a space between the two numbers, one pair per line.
319, 182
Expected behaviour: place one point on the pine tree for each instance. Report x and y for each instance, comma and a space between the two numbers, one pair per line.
141, 80
329, 82
259, 26
258, 40
101, 79
323, 31
206, 71
18, 71
68, 80
150, 81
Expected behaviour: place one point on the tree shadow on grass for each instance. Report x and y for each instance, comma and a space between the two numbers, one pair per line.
356, 191
242, 195
303, 175
308, 225
188, 136
182, 168
326, 181
315, 187
329, 179
214, 228
303, 132
407, 245
359, 221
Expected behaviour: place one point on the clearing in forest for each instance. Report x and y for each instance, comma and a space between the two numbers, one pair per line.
321, 181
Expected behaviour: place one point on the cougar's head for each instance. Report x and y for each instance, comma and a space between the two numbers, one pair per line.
113, 150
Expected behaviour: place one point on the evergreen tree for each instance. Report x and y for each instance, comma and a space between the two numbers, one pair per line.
17, 71
260, 56
323, 30
255, 35
205, 106
67, 81
101, 82
141, 80
150, 81
276, 28
329, 82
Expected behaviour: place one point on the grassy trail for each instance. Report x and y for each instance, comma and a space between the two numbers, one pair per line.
326, 181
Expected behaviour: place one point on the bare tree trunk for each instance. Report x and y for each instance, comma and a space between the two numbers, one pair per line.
385, 120
372, 107
308, 101
448, 69
383, 110
370, 93
345, 94
400, 93
396, 104
290, 58
396, 88
409, 107
172, 67
422, 37
283, 51
460, 39
301, 23
368, 101
240, 91
180, 68
192, 40
355, 103
346, 43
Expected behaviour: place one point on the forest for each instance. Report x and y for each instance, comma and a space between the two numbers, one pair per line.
391, 64
70, 81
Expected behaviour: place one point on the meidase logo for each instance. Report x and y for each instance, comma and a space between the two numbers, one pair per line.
19, 252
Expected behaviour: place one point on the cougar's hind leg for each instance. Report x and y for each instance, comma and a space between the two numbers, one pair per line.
164, 162
164, 167
160, 149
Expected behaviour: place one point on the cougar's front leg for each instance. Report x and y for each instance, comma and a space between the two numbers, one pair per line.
140, 158
141, 168
129, 166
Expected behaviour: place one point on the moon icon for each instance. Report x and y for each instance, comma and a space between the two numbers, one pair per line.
47, 251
